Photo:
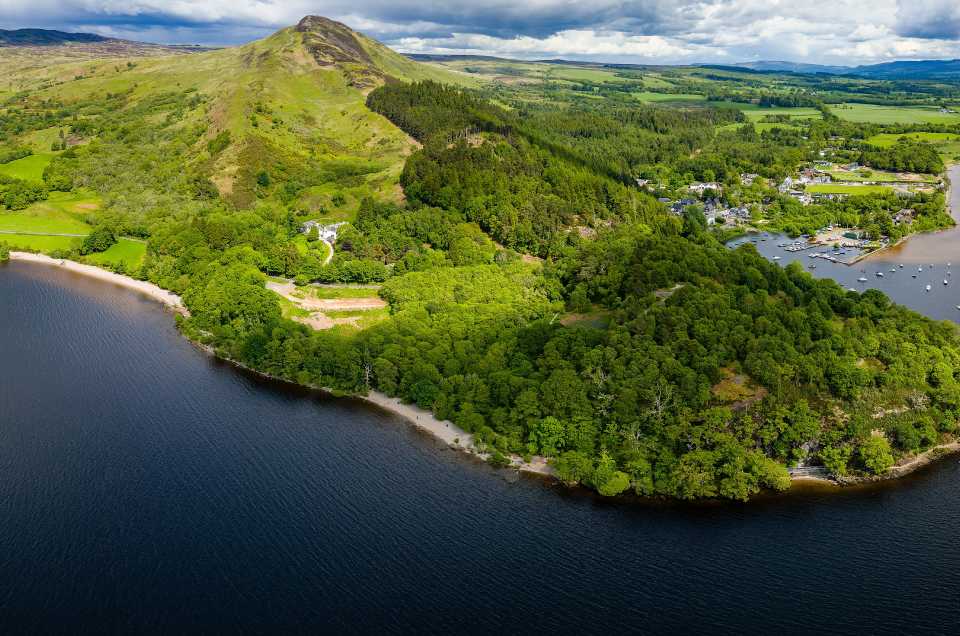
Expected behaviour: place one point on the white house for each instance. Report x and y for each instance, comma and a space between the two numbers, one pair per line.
327, 232
700, 188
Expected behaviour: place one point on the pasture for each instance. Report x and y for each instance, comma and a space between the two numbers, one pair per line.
29, 168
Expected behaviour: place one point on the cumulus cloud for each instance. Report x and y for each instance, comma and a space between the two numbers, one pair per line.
928, 19
662, 31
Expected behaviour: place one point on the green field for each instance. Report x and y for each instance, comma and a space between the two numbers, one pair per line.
879, 177
123, 250
668, 97
889, 139
62, 213
29, 168
18, 222
759, 126
35, 242
829, 188
754, 111
869, 113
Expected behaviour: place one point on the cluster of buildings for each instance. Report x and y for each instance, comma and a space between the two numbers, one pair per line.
712, 208
327, 232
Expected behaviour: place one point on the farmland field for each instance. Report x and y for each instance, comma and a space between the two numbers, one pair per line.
869, 113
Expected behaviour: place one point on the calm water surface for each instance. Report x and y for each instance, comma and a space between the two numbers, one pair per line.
146, 488
939, 249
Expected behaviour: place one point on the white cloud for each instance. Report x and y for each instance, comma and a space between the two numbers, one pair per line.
663, 31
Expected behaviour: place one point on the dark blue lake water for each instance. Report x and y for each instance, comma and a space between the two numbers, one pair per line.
146, 488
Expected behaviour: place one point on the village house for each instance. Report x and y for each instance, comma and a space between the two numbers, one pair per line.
700, 188
903, 216
327, 232
747, 179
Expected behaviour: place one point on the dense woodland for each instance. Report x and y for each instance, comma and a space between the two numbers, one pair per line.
734, 370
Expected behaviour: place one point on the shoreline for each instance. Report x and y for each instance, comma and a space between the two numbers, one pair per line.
896, 471
423, 419
444, 430
168, 298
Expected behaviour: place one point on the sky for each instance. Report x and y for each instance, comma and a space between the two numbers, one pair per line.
839, 32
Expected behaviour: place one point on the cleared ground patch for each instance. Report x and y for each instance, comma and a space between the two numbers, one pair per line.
330, 308
589, 320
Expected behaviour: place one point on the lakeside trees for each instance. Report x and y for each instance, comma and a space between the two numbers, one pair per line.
707, 390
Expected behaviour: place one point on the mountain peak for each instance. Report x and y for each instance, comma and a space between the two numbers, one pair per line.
334, 44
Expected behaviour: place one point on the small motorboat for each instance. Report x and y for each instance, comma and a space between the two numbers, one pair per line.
901, 264
813, 266
913, 275
928, 287
852, 289
880, 274
893, 270
862, 279
776, 258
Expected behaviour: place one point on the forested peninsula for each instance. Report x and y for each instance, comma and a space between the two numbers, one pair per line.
681, 368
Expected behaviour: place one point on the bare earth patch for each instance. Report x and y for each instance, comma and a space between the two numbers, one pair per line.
320, 322
413, 144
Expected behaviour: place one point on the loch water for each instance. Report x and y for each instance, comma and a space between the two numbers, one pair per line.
147, 488
932, 256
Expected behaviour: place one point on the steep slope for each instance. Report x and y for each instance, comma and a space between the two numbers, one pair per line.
290, 102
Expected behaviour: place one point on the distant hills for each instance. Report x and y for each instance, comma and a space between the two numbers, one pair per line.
341, 43
44, 37
905, 69
793, 67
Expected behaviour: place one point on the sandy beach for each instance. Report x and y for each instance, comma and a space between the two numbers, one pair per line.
157, 293
448, 431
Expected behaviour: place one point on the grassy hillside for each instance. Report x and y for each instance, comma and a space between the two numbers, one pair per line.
289, 100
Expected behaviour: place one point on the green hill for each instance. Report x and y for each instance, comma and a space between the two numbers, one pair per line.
295, 97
